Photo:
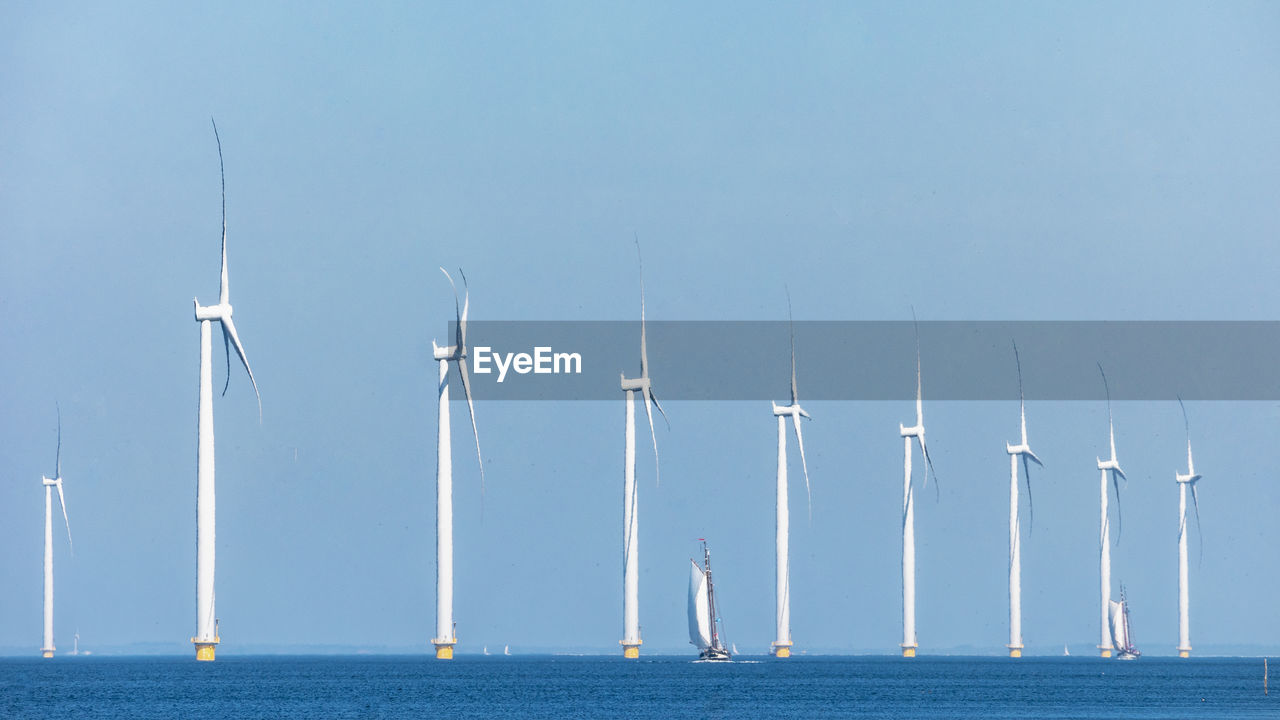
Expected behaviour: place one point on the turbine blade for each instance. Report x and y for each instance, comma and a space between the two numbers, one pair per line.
1031, 507
457, 312
1119, 517
924, 450
226, 346
229, 330
1195, 503
224, 292
1111, 430
58, 465
1033, 457
1191, 467
649, 401
462, 321
644, 350
660, 412
792, 324
919, 393
795, 420
471, 407
1022, 404
62, 501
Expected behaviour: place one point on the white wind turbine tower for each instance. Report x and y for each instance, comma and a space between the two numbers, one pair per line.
916, 431
1190, 479
1020, 451
47, 648
206, 638
630, 502
782, 645
1104, 541
446, 637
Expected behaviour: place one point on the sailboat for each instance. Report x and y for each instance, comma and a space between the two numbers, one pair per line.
506, 649
1121, 637
1065, 651
704, 631
485, 650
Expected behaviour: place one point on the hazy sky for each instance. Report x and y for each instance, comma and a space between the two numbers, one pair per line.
975, 161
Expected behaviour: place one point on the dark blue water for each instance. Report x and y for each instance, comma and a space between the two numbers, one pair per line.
566, 687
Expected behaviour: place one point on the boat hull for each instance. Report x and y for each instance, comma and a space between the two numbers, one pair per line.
714, 654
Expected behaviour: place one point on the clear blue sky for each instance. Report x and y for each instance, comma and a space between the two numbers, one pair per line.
977, 161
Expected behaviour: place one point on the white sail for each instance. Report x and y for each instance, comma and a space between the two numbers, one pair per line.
1116, 618
699, 608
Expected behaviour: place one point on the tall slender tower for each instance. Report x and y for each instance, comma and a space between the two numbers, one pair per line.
446, 634
782, 644
206, 638
47, 648
642, 385
1020, 451
1184, 599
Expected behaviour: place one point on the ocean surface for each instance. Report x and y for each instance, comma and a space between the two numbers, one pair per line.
656, 687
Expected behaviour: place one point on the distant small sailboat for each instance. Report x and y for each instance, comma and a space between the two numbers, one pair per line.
703, 621
485, 649
1121, 635
1065, 651
734, 647
75, 648
506, 649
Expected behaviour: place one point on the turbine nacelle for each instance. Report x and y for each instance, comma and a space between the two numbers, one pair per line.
1023, 449
50, 481
792, 410
1111, 465
219, 312
447, 352
913, 431
635, 384
1192, 479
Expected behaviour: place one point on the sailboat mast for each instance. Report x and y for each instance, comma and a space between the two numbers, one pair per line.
1128, 636
711, 595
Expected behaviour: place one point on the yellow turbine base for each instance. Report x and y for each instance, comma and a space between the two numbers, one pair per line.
444, 652
204, 651
1015, 652
1106, 653
631, 651
1184, 653
46, 653
908, 652
782, 651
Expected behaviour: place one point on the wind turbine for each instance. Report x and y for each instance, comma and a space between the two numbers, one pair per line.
1020, 451
630, 503
1190, 479
1105, 466
916, 431
446, 636
782, 646
47, 649
206, 638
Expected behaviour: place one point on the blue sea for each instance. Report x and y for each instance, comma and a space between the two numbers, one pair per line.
655, 687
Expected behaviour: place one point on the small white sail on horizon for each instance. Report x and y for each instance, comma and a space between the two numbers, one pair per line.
506, 649
699, 609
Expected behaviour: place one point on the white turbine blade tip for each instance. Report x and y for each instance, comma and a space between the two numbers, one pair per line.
62, 502
229, 330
